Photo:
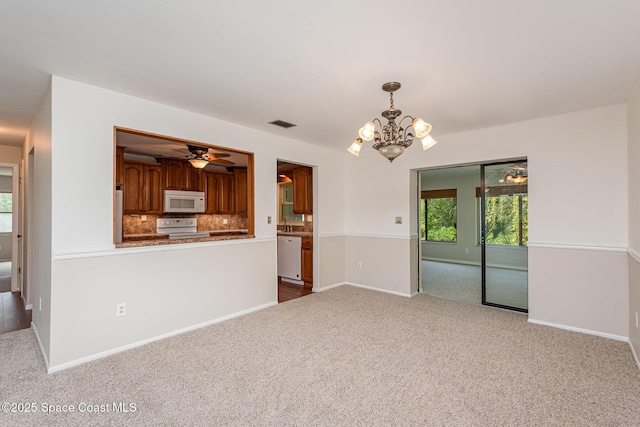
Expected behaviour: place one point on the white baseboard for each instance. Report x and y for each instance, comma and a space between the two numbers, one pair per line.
357, 285
635, 355
44, 354
326, 288
51, 369
583, 331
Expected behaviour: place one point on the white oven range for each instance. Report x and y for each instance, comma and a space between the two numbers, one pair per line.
180, 228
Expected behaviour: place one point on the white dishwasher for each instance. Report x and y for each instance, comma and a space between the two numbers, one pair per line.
289, 260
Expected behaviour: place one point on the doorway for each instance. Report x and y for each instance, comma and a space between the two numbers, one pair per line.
13, 315
295, 229
474, 233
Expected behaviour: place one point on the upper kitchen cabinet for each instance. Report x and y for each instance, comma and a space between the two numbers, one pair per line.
302, 190
142, 188
241, 194
226, 197
219, 193
119, 166
180, 175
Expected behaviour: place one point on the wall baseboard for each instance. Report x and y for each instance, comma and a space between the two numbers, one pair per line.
82, 360
44, 355
581, 330
326, 288
371, 288
635, 355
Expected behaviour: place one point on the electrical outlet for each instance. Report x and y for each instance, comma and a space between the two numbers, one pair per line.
121, 309
143, 218
398, 220
225, 221
466, 250
359, 265
268, 220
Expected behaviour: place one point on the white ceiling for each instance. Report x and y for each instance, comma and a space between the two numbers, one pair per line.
463, 64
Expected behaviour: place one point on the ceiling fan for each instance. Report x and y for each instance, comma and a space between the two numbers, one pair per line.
517, 173
203, 157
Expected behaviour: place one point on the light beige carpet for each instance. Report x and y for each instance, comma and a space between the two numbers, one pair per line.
347, 356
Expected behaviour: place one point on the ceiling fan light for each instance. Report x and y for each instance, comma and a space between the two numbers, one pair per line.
368, 131
427, 142
421, 127
355, 147
198, 163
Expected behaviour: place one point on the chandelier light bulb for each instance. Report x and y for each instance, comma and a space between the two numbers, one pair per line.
421, 127
368, 131
427, 142
355, 147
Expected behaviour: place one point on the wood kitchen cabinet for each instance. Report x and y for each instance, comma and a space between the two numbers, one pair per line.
241, 195
226, 196
193, 178
307, 261
119, 166
142, 188
302, 191
180, 175
219, 193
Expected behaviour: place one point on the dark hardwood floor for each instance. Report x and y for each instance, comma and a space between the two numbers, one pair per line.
13, 316
288, 291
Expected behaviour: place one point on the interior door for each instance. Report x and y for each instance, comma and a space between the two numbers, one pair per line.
504, 233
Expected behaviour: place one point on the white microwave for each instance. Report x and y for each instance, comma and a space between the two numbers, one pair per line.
176, 201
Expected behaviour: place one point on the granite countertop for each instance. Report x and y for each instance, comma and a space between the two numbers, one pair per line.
237, 231
296, 233
160, 242
144, 235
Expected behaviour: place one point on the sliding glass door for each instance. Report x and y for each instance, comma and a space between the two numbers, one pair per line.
474, 232
504, 234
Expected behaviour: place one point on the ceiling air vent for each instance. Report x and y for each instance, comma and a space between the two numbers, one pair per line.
282, 124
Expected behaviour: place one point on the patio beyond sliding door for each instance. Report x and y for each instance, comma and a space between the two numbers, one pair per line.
504, 204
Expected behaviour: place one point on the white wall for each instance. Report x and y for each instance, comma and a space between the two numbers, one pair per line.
571, 157
38, 230
634, 215
201, 282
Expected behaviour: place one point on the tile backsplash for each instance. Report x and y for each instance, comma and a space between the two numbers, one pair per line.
133, 224
216, 222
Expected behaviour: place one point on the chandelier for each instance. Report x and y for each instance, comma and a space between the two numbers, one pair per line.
392, 139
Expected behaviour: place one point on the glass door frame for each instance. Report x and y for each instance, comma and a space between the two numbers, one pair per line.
483, 244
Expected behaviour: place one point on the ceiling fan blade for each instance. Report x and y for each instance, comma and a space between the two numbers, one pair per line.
222, 162
181, 151
218, 155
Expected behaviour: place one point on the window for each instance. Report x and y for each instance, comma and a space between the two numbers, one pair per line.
6, 212
506, 215
439, 216
286, 205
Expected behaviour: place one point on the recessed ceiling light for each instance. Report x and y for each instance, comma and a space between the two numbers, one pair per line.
282, 124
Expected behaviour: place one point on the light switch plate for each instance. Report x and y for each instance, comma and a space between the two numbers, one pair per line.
268, 220
398, 220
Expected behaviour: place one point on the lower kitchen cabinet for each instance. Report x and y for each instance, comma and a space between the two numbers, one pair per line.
307, 261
